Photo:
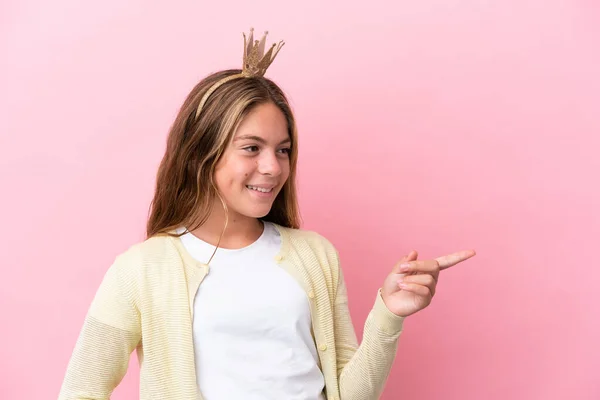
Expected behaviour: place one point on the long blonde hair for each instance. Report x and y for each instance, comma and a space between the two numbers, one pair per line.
185, 191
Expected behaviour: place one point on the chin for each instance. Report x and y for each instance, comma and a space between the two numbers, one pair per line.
253, 212
260, 214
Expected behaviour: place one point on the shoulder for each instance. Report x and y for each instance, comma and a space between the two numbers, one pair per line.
310, 243
146, 254
134, 269
310, 238
317, 254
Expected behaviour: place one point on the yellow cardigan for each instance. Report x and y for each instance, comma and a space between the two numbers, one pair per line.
145, 302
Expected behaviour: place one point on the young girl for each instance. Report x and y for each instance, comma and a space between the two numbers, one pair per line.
264, 317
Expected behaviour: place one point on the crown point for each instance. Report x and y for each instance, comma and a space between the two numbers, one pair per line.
251, 29
266, 32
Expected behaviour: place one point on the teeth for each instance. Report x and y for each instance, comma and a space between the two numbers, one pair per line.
259, 189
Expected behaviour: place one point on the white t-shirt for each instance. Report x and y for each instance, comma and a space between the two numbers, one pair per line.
248, 347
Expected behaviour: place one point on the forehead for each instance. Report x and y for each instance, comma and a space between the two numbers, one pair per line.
266, 121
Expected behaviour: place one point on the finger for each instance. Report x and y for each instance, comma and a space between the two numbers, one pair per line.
423, 280
424, 266
408, 258
416, 289
453, 259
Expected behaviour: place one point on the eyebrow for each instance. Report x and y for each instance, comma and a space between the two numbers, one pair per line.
258, 139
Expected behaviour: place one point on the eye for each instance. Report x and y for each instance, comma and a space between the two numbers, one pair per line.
251, 149
287, 150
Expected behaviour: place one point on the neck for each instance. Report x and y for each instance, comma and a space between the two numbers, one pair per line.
241, 230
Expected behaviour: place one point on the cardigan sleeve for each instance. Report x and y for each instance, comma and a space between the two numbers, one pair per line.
363, 369
111, 331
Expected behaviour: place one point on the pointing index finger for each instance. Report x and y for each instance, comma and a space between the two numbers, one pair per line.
450, 260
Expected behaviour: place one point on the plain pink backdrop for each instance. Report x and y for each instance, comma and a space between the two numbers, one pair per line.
432, 125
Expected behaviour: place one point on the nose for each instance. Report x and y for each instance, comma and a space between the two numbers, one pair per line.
269, 164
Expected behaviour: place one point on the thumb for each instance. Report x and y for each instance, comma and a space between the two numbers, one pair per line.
412, 256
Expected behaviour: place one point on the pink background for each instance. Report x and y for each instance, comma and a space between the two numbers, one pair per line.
432, 125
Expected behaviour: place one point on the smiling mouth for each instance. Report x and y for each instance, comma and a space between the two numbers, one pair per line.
258, 189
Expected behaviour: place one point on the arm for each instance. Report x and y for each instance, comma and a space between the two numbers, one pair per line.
363, 370
110, 332
408, 289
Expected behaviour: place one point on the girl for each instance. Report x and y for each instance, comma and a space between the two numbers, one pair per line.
265, 317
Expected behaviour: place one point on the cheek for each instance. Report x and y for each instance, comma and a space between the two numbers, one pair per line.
233, 171
286, 169
243, 170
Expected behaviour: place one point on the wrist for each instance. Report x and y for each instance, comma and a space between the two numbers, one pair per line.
385, 319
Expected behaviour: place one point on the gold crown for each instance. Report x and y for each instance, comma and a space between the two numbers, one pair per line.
256, 62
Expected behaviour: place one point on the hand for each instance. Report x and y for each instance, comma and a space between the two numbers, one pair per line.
409, 289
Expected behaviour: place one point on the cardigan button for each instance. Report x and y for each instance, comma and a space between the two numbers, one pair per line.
204, 267
278, 258
311, 294
323, 347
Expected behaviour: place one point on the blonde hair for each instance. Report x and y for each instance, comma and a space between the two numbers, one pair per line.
185, 190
